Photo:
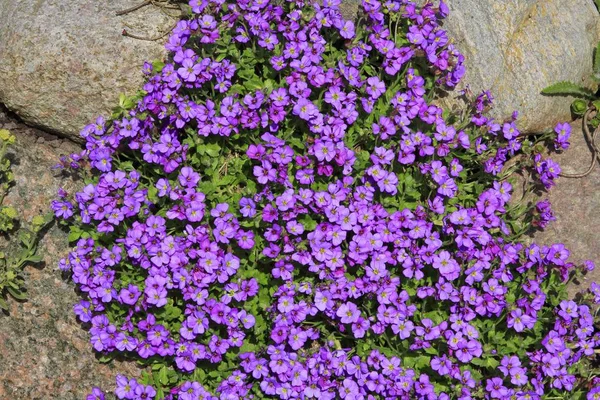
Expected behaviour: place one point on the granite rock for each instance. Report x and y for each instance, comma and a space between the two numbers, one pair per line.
516, 48
62, 63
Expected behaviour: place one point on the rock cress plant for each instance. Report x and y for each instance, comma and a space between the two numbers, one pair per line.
283, 212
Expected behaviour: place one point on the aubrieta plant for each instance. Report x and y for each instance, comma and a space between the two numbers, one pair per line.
284, 213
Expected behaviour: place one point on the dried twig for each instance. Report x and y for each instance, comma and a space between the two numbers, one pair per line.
134, 8
591, 139
147, 38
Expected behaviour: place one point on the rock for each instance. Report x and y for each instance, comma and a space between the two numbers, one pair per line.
9, 125
517, 48
349, 9
62, 63
44, 352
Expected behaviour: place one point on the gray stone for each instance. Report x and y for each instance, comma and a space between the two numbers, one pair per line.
516, 48
349, 9
62, 63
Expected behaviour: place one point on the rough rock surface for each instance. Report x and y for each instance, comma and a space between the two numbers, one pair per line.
62, 63
44, 352
576, 205
516, 48
349, 8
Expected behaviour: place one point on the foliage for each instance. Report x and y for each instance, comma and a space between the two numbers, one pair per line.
8, 214
565, 88
284, 212
11, 265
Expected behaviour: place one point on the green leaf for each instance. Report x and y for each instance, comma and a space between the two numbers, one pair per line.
35, 259
106, 358
253, 84
156, 380
492, 362
422, 362
296, 142
162, 376
247, 347
212, 149
247, 74
226, 180
74, 234
565, 88
579, 107
17, 294
308, 222
480, 362
199, 375
435, 316
158, 65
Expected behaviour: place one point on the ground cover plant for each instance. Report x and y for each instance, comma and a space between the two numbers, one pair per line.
13, 259
283, 212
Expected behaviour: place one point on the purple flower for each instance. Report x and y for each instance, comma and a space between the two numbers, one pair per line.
83, 311
190, 391
558, 254
297, 338
447, 266
324, 151
348, 313
125, 387
247, 207
496, 389
375, 87
510, 130
563, 133
95, 395
129, 295
520, 321
144, 392
305, 109
347, 30
62, 209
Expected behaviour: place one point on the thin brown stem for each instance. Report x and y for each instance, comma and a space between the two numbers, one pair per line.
134, 8
147, 38
591, 139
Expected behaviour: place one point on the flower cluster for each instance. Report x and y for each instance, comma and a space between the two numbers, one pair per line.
563, 133
164, 258
544, 214
285, 213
